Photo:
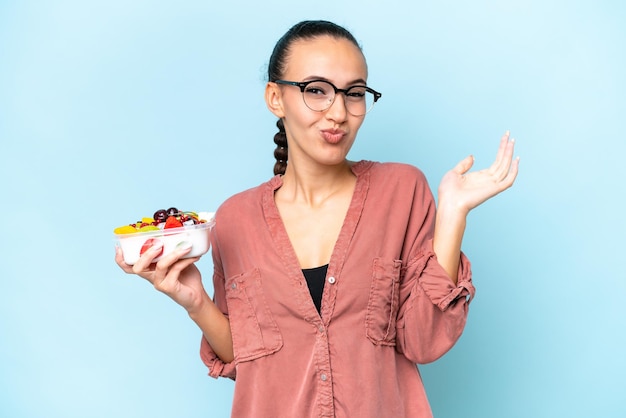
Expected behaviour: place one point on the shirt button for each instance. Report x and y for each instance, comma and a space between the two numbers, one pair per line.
324, 377
321, 328
331, 280
233, 286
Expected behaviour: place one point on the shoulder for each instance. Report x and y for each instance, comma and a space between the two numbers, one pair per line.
402, 170
243, 203
393, 173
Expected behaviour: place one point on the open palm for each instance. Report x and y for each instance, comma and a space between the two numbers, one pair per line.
465, 190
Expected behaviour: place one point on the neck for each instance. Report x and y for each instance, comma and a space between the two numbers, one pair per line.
312, 186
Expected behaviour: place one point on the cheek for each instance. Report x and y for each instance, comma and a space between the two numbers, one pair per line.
356, 123
301, 117
293, 104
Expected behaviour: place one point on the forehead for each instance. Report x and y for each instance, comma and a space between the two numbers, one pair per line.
335, 59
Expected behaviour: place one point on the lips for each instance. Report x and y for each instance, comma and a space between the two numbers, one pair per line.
333, 136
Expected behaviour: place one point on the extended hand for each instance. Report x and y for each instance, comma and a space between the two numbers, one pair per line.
464, 191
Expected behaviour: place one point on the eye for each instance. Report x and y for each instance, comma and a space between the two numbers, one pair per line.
315, 90
320, 89
356, 92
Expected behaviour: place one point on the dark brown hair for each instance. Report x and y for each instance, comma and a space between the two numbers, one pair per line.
307, 29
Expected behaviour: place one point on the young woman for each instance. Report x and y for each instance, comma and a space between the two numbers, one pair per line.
334, 278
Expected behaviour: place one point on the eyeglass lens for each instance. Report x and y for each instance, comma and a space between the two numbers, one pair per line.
320, 95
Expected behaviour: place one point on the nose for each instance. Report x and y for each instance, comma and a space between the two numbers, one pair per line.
337, 110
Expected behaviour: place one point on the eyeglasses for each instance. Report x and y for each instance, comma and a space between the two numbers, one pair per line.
319, 95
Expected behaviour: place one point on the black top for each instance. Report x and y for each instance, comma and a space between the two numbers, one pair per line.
315, 279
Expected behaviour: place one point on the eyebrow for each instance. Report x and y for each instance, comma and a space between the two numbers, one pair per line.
358, 81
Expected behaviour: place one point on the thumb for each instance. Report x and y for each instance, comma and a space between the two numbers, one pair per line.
464, 165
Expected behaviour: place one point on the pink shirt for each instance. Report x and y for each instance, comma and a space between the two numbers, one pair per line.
387, 304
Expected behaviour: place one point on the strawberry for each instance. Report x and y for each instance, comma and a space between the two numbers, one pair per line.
150, 242
172, 222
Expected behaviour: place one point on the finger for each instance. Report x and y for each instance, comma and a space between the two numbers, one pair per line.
464, 165
179, 251
171, 281
504, 157
168, 268
512, 174
144, 264
497, 164
166, 262
119, 259
501, 166
510, 177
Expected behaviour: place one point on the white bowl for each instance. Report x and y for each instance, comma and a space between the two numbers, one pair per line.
199, 236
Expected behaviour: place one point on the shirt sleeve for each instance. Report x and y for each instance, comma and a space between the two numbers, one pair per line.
217, 368
433, 310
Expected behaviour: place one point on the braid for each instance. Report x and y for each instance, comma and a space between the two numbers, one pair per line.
280, 153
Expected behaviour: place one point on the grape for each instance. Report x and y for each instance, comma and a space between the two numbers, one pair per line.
160, 215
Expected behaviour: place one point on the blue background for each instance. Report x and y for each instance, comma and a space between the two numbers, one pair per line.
112, 109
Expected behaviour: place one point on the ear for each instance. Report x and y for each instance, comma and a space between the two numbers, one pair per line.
273, 99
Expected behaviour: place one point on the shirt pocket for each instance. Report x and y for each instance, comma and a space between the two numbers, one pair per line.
254, 330
384, 299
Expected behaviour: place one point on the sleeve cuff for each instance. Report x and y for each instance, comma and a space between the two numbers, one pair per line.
437, 285
217, 368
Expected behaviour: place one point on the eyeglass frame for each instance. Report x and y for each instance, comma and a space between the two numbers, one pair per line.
302, 85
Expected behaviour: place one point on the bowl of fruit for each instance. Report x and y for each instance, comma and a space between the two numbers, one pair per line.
169, 227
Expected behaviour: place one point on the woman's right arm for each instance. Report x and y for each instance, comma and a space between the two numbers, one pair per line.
181, 280
215, 328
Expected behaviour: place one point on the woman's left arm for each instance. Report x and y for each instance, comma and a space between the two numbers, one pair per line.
461, 191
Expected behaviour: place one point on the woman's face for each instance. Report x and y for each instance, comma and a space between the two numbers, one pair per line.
320, 137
